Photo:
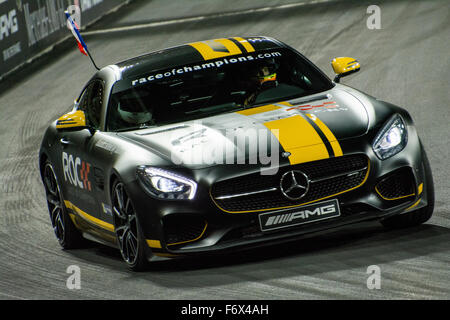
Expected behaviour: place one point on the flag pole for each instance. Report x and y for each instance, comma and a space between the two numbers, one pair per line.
81, 44
93, 62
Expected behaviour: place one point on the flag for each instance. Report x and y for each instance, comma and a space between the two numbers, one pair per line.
71, 24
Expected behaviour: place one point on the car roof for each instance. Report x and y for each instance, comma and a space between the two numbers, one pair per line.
194, 53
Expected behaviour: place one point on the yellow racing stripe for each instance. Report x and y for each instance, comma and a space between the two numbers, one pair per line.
284, 103
327, 132
245, 44
298, 137
214, 49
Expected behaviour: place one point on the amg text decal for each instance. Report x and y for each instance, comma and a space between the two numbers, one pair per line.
305, 214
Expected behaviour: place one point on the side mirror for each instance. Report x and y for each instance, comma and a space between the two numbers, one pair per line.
344, 66
73, 120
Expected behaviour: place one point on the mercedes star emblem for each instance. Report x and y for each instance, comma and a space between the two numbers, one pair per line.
294, 184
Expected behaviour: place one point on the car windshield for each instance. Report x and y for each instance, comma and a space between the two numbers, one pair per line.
213, 87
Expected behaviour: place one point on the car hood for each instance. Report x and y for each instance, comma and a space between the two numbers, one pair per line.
301, 127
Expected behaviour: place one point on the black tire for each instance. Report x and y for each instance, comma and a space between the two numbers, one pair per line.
68, 236
417, 217
129, 235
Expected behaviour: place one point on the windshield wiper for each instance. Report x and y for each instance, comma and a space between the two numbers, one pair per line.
136, 128
277, 100
225, 106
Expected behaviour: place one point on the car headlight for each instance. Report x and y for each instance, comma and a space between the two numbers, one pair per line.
165, 184
391, 139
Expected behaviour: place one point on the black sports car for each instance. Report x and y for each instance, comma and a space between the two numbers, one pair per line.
227, 143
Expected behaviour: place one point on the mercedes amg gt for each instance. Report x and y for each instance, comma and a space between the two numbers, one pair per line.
224, 144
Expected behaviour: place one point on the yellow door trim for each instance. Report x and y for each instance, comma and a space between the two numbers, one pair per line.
88, 217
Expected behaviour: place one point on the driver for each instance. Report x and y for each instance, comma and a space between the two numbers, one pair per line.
263, 77
134, 113
267, 75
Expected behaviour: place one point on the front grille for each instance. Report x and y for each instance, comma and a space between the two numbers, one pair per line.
180, 228
328, 177
397, 185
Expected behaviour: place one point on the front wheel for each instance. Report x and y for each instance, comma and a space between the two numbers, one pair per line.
128, 232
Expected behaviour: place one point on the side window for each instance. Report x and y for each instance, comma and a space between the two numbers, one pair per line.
82, 101
91, 103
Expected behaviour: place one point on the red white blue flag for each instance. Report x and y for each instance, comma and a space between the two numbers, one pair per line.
76, 33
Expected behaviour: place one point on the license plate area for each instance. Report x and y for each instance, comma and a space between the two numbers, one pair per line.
300, 215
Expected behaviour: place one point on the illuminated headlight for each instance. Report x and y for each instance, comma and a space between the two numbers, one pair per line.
165, 184
391, 139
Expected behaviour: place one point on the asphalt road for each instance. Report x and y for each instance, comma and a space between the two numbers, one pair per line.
406, 62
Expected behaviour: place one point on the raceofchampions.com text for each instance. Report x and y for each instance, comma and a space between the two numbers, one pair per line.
207, 65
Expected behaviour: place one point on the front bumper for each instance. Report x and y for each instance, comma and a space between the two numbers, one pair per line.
177, 228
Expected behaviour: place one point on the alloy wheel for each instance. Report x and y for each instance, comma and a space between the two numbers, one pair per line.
125, 224
54, 202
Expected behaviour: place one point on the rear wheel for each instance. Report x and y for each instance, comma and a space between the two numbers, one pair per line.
417, 217
66, 233
128, 232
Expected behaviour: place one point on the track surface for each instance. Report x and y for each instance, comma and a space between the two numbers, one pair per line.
406, 63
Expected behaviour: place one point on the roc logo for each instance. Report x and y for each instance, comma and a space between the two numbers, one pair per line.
76, 171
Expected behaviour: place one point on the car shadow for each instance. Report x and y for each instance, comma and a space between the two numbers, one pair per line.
353, 247
367, 242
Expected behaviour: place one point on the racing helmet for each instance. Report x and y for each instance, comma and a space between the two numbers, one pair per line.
134, 113
267, 72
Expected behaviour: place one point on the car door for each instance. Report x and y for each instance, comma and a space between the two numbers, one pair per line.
77, 161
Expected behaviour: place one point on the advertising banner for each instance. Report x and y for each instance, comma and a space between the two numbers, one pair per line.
28, 27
